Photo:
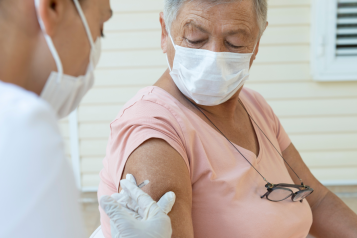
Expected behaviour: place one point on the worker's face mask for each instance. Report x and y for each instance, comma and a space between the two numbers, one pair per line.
209, 78
64, 92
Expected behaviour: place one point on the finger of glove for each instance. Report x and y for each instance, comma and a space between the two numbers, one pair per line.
126, 201
131, 178
115, 211
145, 202
167, 201
119, 196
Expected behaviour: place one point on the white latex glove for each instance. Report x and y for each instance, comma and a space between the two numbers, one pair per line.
137, 215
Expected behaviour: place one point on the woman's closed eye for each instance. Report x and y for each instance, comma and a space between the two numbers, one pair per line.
234, 46
194, 42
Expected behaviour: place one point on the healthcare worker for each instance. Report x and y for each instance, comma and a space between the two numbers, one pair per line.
48, 51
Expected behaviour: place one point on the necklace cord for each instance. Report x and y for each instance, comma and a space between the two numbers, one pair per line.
198, 108
228, 140
269, 140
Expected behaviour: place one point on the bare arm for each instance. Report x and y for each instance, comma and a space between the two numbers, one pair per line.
158, 162
331, 217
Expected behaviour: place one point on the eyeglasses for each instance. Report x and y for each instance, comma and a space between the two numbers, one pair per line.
281, 191
276, 192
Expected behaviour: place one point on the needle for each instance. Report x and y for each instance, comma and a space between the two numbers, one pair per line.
146, 182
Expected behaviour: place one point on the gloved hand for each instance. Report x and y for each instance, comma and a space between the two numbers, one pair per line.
134, 214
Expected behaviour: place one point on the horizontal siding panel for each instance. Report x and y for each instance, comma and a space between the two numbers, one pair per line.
289, 16
92, 165
137, 20
279, 3
279, 72
98, 113
128, 77
283, 53
278, 91
136, 5
90, 180
132, 40
322, 142
155, 58
320, 125
314, 107
325, 159
93, 147
275, 35
110, 95
135, 58
341, 174
94, 130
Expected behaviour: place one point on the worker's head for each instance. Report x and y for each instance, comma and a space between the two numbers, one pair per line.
26, 58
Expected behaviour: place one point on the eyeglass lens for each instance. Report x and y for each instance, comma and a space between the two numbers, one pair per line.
279, 194
301, 195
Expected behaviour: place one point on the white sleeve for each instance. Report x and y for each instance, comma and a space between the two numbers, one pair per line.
38, 194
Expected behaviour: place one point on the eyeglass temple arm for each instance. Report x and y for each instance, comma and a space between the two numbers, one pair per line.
288, 185
264, 195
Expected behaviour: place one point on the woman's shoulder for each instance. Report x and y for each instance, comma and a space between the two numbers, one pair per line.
253, 96
151, 102
256, 101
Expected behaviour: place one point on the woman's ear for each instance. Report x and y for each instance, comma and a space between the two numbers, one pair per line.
51, 13
163, 33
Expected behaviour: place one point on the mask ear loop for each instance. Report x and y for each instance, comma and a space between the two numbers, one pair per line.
84, 20
50, 44
85, 23
173, 44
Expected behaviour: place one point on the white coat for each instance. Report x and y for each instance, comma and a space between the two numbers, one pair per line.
38, 197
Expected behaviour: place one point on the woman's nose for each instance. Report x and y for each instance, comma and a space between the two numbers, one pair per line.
216, 46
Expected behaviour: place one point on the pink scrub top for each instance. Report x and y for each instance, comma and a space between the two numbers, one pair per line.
226, 190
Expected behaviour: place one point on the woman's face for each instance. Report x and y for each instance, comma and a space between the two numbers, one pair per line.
226, 27
70, 37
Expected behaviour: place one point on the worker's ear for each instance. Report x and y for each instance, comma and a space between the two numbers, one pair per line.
52, 12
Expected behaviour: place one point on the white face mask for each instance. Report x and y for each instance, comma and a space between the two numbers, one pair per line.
209, 78
64, 92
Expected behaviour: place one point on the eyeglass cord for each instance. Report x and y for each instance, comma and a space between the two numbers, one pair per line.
198, 108
270, 141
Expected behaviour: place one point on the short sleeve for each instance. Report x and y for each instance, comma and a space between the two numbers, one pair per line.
138, 123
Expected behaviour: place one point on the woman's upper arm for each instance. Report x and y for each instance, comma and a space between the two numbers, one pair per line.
292, 156
166, 170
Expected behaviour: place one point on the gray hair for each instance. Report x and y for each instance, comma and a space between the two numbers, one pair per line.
172, 8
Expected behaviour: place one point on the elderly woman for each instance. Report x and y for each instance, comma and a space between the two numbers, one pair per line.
219, 146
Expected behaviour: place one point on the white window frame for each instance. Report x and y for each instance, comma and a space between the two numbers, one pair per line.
325, 66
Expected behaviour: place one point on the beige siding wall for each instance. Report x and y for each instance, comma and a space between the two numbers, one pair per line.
321, 118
